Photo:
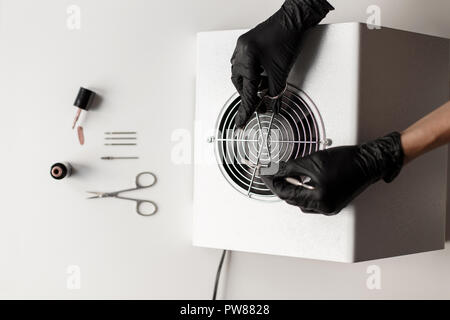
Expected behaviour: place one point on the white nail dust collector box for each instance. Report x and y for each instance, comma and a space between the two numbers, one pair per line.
349, 85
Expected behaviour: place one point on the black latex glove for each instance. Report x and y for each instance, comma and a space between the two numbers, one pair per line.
272, 47
338, 174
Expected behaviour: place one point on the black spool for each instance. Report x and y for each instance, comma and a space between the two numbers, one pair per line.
60, 170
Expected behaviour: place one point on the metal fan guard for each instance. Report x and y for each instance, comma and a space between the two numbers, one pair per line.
296, 131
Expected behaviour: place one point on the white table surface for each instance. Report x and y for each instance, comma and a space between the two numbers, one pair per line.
139, 56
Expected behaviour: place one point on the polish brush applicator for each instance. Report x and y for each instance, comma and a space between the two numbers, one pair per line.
83, 102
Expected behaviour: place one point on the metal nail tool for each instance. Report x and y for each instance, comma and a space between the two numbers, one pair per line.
121, 132
139, 203
118, 158
302, 183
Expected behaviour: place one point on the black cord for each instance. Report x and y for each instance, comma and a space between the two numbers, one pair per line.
219, 270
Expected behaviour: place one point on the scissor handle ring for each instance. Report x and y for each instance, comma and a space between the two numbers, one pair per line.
140, 185
144, 214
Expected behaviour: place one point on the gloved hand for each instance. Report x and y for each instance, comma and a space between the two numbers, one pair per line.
272, 47
337, 174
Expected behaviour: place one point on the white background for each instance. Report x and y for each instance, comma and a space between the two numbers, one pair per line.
140, 57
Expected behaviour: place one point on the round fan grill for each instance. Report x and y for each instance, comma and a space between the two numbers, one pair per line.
296, 131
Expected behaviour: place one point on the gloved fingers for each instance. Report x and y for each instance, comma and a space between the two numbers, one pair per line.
268, 172
276, 83
275, 105
264, 84
236, 75
313, 211
292, 203
262, 91
237, 82
249, 101
293, 168
268, 181
303, 209
262, 107
245, 61
286, 191
294, 195
314, 11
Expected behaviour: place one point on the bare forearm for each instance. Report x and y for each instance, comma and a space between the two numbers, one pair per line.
430, 132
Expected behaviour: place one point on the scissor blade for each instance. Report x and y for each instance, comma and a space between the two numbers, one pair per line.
97, 194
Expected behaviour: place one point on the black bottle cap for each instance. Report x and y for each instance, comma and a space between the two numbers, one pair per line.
84, 98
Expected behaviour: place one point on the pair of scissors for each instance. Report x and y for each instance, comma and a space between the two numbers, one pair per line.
143, 207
